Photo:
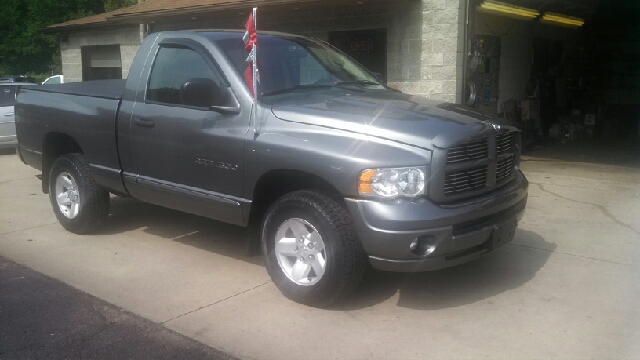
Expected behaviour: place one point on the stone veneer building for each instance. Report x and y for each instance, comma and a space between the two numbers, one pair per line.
424, 39
417, 46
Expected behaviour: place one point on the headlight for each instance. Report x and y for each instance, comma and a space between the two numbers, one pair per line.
409, 181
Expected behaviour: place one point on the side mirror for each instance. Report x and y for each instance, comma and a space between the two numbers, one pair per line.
200, 92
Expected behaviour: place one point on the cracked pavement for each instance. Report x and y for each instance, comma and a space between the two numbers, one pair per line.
566, 287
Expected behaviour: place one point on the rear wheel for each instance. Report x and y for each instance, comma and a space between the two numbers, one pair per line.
311, 249
79, 203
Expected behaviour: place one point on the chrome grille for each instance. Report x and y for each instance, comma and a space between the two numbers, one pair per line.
465, 180
472, 150
505, 142
504, 169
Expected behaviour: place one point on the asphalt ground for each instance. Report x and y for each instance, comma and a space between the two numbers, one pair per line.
42, 318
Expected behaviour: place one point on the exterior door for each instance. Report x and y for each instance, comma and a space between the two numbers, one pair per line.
188, 158
7, 117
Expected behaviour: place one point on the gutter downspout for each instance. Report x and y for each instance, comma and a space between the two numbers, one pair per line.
465, 56
143, 32
143, 27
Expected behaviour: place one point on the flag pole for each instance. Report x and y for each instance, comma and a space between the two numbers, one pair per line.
255, 58
250, 39
254, 63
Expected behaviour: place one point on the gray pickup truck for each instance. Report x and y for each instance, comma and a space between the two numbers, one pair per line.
332, 169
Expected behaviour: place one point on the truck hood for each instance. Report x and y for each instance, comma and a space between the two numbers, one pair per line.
386, 114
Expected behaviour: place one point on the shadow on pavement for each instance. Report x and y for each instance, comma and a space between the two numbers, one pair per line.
8, 151
129, 214
505, 269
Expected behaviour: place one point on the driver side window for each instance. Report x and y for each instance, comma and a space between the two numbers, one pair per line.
173, 67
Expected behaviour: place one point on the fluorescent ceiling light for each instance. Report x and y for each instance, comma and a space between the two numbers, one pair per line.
561, 19
505, 9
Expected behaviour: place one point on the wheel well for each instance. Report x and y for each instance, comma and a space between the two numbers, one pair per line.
55, 145
277, 183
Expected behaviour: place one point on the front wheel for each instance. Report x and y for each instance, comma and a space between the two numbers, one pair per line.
311, 249
79, 203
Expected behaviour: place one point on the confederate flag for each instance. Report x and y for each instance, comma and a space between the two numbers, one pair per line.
250, 38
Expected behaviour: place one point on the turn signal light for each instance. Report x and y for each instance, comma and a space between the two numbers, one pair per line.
364, 183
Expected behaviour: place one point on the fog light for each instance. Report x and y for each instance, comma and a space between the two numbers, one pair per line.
423, 245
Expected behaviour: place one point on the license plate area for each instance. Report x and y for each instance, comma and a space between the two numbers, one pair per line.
503, 233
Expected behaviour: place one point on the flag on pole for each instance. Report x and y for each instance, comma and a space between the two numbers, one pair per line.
251, 75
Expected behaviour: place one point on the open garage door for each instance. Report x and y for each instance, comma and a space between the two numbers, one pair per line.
567, 74
101, 62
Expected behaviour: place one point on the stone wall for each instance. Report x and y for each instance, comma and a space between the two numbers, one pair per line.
442, 56
425, 39
127, 37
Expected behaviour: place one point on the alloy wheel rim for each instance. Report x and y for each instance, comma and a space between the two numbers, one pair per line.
67, 195
300, 252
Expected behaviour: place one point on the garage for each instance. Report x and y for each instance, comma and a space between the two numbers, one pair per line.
101, 62
564, 71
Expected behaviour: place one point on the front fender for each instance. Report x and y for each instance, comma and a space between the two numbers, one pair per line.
337, 156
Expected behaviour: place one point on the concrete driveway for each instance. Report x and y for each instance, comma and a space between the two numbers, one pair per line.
567, 287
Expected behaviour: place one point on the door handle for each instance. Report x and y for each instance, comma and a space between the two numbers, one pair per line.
8, 114
144, 123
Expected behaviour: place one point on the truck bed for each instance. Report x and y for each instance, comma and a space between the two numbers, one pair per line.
85, 112
106, 89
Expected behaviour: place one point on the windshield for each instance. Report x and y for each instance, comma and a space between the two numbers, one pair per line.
292, 63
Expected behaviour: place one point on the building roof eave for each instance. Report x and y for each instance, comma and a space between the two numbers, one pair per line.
152, 10
88, 21
87, 27
202, 6
159, 8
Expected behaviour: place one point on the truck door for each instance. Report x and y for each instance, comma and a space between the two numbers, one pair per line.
188, 157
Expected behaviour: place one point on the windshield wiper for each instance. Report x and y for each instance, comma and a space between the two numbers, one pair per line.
366, 82
297, 87
339, 84
358, 82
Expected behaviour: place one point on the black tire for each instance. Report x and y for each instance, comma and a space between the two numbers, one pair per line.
346, 261
94, 200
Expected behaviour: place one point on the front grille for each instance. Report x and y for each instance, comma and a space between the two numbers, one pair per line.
474, 167
465, 181
505, 142
504, 169
472, 150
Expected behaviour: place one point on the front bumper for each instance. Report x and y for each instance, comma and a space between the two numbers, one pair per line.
458, 233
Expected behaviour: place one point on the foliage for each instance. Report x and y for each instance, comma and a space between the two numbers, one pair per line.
38, 77
110, 5
24, 47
